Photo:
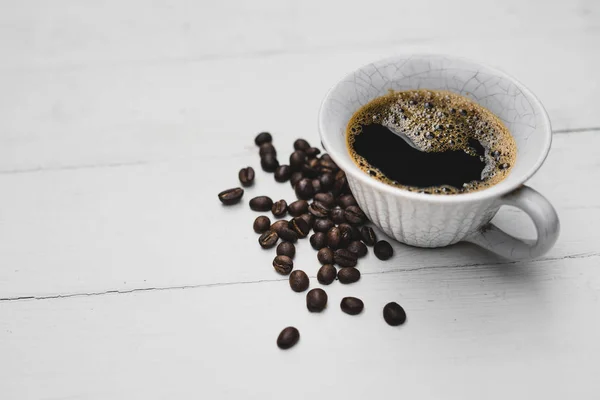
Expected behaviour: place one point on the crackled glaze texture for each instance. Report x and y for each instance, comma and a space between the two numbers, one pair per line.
434, 221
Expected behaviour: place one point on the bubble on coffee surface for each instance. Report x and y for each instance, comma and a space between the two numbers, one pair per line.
438, 121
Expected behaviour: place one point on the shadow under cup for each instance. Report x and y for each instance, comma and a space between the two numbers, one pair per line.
509, 100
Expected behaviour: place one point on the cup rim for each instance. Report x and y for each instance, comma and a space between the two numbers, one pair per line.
346, 164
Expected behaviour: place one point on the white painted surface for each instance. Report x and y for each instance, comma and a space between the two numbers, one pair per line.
119, 123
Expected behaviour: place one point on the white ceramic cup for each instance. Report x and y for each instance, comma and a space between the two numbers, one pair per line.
438, 220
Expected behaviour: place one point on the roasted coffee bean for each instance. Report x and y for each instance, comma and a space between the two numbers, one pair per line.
326, 274
279, 208
325, 198
326, 156
357, 247
368, 235
261, 203
309, 218
268, 239
345, 258
383, 250
345, 235
355, 231
269, 163
352, 305
318, 240
355, 215
317, 185
298, 208
319, 210
304, 189
283, 173
301, 144
348, 275
300, 227
328, 165
299, 281
279, 225
323, 225
231, 196
394, 314
266, 149
309, 172
337, 215
295, 178
288, 235
246, 176
334, 237
312, 152
288, 338
262, 224
286, 249
347, 200
263, 137
297, 160
340, 185
316, 300
283, 264
325, 256
327, 180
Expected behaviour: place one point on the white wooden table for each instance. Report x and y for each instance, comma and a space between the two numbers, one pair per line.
122, 276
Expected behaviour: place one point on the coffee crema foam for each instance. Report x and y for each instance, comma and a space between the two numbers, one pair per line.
438, 121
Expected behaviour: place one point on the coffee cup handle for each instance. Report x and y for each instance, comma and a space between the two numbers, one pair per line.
543, 216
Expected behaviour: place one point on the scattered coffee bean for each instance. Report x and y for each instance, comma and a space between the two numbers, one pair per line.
394, 314
319, 210
340, 185
309, 218
298, 208
316, 185
279, 208
288, 235
310, 172
355, 215
286, 249
357, 247
279, 225
268, 239
297, 160
326, 274
316, 300
301, 144
300, 227
337, 215
296, 177
283, 173
288, 338
334, 238
299, 281
246, 176
261, 203
325, 198
231, 196
263, 137
283, 264
383, 250
327, 180
352, 305
262, 224
326, 156
348, 275
345, 235
325, 256
368, 235
266, 149
345, 258
269, 163
347, 200
323, 225
312, 151
318, 240
304, 189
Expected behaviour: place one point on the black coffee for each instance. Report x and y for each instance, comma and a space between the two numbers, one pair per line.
458, 145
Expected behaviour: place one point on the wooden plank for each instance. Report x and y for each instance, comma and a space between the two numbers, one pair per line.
161, 225
472, 332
